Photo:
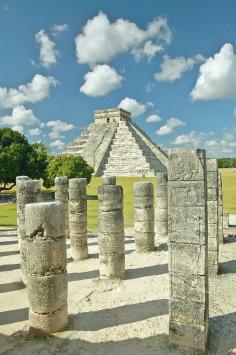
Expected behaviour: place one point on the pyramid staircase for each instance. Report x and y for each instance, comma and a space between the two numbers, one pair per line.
114, 145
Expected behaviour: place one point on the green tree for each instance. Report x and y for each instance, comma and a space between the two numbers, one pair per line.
19, 157
70, 166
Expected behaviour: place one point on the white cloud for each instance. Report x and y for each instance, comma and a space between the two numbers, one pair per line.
173, 68
217, 76
37, 90
47, 48
20, 117
18, 128
35, 131
193, 138
101, 80
56, 29
133, 106
101, 40
153, 118
168, 128
149, 50
59, 144
58, 127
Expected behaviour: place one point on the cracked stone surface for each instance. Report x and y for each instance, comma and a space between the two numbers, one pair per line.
109, 317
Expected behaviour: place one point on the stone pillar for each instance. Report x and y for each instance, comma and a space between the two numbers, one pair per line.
144, 217
213, 220
161, 210
109, 180
78, 218
187, 231
27, 191
18, 207
111, 240
46, 267
61, 195
225, 224
220, 209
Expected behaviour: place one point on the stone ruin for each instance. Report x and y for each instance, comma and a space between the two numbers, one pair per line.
188, 210
115, 145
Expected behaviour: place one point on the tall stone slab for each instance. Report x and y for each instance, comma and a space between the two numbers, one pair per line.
188, 248
161, 209
62, 195
18, 207
225, 224
213, 219
109, 180
27, 191
111, 240
220, 209
144, 217
78, 218
46, 267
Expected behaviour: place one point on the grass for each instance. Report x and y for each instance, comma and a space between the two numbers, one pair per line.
8, 211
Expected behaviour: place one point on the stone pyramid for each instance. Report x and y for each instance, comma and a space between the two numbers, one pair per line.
115, 145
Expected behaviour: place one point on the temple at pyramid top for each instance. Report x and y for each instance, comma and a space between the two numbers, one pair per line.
114, 145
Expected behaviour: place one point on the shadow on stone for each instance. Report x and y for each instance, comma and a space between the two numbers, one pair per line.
230, 239
146, 271
75, 276
12, 286
228, 267
9, 267
106, 318
162, 247
9, 253
222, 334
8, 242
13, 316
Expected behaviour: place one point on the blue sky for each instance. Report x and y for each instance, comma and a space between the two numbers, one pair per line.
172, 63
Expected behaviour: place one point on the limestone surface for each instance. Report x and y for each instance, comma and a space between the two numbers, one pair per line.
187, 231
46, 266
161, 209
62, 195
220, 209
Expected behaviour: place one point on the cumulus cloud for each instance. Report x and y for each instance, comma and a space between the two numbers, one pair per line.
56, 29
153, 118
35, 131
133, 106
192, 138
149, 50
101, 80
59, 144
57, 128
102, 40
173, 68
217, 76
37, 90
19, 118
47, 48
169, 127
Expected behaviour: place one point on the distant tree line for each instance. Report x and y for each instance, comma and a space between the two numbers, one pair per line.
227, 163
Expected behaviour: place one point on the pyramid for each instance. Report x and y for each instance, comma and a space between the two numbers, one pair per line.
115, 145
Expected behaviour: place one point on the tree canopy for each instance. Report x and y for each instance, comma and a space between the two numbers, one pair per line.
70, 166
19, 157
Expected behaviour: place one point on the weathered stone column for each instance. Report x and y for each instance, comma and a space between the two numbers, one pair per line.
109, 180
213, 220
161, 209
144, 217
225, 224
111, 240
61, 195
27, 191
187, 231
46, 267
220, 209
18, 208
78, 218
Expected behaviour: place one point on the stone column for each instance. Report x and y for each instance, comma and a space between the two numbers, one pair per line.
78, 218
27, 191
213, 220
225, 225
144, 217
61, 195
18, 209
161, 210
187, 231
111, 240
109, 180
46, 267
220, 209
